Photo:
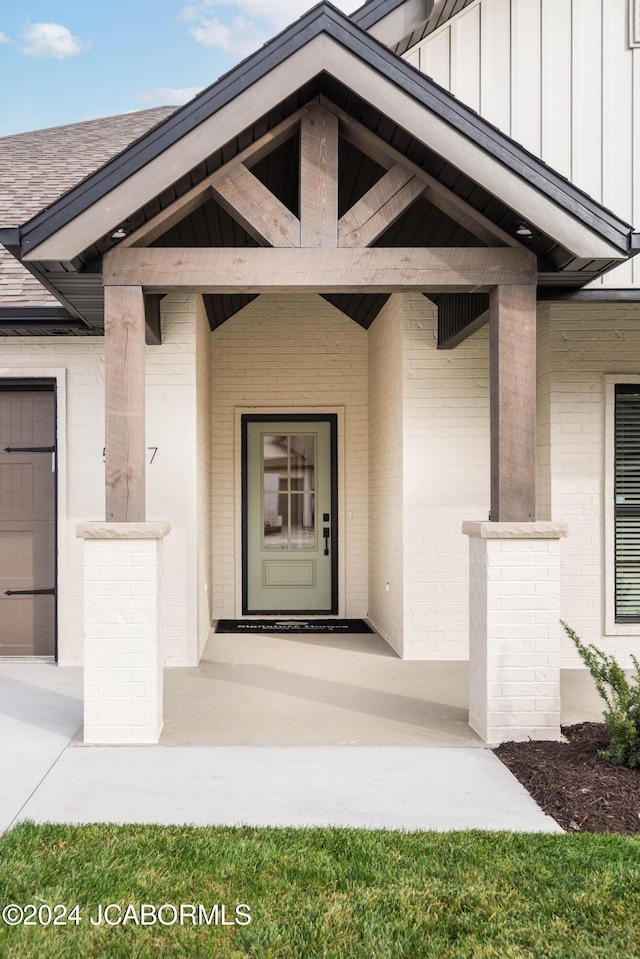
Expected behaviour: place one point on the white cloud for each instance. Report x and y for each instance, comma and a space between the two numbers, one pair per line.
51, 41
240, 26
168, 96
240, 38
3, 37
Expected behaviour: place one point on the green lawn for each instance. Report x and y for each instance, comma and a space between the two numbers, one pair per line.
331, 893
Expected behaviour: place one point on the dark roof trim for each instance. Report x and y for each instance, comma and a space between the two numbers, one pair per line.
603, 295
38, 314
327, 19
46, 320
10, 236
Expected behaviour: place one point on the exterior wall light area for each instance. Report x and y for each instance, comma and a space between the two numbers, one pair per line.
119, 233
524, 230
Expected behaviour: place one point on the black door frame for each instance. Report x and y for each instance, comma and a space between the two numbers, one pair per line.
45, 384
332, 419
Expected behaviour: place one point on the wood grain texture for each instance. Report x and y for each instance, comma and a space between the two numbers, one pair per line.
386, 156
160, 173
512, 334
256, 209
201, 192
124, 323
379, 208
371, 270
319, 179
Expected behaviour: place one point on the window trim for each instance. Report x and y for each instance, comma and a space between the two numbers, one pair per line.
611, 626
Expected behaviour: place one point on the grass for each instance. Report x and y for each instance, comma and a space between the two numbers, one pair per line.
330, 893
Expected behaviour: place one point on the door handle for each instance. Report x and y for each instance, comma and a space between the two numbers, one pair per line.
29, 449
326, 532
29, 592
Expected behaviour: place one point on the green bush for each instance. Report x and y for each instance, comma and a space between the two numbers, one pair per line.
622, 715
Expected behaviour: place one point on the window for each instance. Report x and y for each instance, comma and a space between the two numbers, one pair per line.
627, 503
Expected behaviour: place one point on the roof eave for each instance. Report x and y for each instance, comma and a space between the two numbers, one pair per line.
326, 19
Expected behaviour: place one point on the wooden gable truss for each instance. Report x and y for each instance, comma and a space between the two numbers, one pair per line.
320, 251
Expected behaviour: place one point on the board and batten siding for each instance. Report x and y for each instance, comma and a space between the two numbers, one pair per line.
560, 77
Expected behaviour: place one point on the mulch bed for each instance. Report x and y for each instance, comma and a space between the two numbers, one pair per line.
571, 782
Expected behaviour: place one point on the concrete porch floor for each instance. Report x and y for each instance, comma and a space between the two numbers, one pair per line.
328, 690
255, 735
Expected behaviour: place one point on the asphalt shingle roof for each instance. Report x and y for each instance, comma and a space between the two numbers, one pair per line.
37, 168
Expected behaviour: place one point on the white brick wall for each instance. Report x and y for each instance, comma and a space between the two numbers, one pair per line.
170, 425
385, 473
425, 479
514, 655
123, 646
203, 478
298, 352
172, 477
288, 352
580, 347
446, 479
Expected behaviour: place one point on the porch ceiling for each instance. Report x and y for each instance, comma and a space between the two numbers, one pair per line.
462, 167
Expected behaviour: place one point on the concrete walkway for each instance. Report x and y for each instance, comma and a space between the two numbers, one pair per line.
48, 775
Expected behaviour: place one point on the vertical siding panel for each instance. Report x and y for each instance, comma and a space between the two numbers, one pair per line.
495, 63
413, 57
525, 66
587, 96
617, 132
465, 58
556, 85
435, 58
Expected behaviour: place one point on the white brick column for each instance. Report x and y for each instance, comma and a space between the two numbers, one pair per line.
123, 655
514, 630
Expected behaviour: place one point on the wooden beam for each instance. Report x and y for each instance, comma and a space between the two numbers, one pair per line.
454, 206
152, 322
201, 192
124, 325
256, 208
371, 270
513, 403
319, 179
379, 208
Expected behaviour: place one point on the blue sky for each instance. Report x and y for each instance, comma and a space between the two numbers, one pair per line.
71, 60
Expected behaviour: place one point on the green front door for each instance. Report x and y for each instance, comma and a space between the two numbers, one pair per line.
289, 515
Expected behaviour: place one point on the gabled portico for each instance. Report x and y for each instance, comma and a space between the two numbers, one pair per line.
430, 210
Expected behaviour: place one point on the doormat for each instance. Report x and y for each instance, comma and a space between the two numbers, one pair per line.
293, 626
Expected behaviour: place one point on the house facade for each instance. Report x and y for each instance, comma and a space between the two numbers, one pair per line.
353, 333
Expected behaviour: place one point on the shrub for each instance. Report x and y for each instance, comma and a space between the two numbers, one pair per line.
622, 715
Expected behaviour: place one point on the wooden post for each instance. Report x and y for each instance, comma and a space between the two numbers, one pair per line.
319, 179
513, 403
124, 323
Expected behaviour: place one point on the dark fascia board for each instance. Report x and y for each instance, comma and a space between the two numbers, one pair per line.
603, 295
10, 236
325, 18
38, 314
46, 318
